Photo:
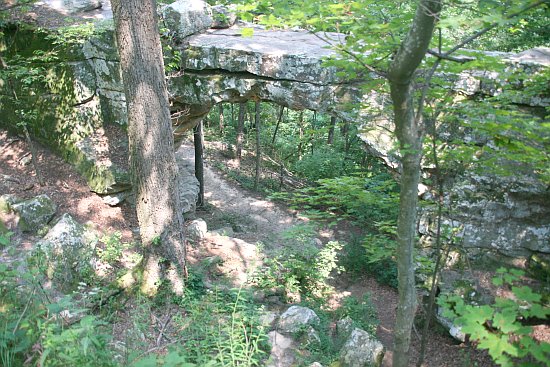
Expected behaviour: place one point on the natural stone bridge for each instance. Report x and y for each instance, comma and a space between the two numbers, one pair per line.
286, 67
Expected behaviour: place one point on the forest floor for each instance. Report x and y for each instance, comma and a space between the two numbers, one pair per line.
260, 220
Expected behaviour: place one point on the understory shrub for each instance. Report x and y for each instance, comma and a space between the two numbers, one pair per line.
220, 329
326, 163
35, 330
300, 267
365, 200
502, 328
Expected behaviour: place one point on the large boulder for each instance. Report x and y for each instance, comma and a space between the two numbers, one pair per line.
187, 17
283, 350
296, 319
361, 350
34, 214
66, 252
74, 6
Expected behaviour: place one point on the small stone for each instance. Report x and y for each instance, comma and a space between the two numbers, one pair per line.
116, 199
25, 161
197, 229
187, 17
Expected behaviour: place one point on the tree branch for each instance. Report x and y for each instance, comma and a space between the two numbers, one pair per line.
459, 59
491, 26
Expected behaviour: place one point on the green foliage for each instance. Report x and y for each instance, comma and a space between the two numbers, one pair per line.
81, 344
321, 164
300, 267
222, 329
4, 237
113, 248
362, 312
35, 330
365, 200
499, 327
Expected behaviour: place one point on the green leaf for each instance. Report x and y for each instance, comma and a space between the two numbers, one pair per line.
498, 346
247, 32
506, 322
149, 361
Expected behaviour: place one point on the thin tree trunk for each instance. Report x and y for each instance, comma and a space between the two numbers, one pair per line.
258, 148
300, 134
279, 119
240, 127
232, 114
153, 165
221, 119
409, 133
34, 157
330, 139
198, 141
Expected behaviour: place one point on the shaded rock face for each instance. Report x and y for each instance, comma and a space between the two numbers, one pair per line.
66, 251
34, 214
509, 215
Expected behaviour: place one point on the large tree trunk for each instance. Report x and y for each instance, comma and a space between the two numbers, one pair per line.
409, 132
152, 160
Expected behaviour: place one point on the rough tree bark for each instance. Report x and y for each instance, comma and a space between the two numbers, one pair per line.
152, 160
409, 132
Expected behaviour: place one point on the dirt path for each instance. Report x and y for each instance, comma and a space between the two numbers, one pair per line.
262, 219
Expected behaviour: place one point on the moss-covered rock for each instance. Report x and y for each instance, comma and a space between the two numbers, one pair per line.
66, 253
34, 214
